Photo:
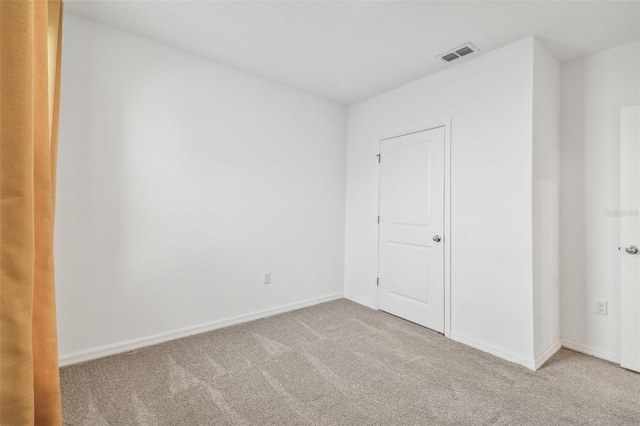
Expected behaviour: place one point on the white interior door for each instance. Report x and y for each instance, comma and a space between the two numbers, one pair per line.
630, 237
411, 257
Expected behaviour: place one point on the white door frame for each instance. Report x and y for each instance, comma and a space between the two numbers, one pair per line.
446, 123
629, 292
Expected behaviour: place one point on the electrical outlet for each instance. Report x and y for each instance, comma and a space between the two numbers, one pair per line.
267, 277
600, 307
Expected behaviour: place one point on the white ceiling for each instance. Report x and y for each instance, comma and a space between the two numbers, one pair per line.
348, 51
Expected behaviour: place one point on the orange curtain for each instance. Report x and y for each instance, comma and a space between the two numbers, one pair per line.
30, 38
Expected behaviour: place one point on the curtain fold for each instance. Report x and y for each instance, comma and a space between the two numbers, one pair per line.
30, 39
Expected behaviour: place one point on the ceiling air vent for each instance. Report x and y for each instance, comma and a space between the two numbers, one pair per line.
450, 57
464, 51
458, 52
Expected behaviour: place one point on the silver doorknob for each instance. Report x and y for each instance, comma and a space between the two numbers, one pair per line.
437, 239
631, 249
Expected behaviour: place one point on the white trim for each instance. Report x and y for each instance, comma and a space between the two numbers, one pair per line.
434, 124
116, 348
365, 302
419, 127
447, 227
495, 350
590, 350
548, 353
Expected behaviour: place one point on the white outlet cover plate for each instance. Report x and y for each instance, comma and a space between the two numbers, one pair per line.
600, 307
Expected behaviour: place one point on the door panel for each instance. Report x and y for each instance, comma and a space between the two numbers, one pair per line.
630, 237
411, 263
409, 181
406, 280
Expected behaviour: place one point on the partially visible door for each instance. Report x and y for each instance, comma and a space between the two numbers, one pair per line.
411, 248
630, 237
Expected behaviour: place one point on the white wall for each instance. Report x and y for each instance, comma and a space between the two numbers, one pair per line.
180, 183
490, 101
546, 203
594, 88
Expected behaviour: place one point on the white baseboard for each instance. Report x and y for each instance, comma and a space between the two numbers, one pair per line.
505, 354
548, 353
365, 302
590, 350
116, 348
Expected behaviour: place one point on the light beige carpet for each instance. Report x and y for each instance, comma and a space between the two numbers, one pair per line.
339, 363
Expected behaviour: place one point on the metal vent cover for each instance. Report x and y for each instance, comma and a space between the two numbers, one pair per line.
458, 52
464, 51
450, 57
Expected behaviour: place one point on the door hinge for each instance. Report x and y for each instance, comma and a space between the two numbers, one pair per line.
379, 157
378, 281
378, 219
